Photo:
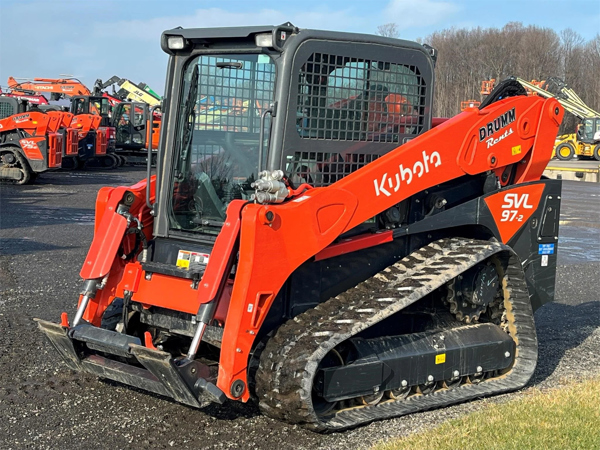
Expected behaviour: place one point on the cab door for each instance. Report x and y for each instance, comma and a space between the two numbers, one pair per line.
130, 122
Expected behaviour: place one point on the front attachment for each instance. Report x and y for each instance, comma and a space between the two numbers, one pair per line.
83, 349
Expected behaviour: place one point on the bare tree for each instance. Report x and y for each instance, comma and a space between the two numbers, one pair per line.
466, 57
388, 30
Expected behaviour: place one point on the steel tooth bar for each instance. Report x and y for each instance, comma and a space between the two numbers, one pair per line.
291, 358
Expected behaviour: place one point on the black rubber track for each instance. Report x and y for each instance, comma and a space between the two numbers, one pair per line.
290, 359
29, 175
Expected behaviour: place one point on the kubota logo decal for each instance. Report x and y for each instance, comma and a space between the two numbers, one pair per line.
387, 185
513, 207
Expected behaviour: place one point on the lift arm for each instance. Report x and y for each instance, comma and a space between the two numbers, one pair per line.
276, 239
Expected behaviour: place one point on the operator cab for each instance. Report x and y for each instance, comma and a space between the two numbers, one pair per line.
589, 132
95, 105
317, 105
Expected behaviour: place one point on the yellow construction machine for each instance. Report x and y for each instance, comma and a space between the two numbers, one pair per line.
585, 142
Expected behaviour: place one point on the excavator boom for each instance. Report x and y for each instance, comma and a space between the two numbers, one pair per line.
58, 86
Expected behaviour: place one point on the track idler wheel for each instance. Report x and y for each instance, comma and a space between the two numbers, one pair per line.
426, 388
110, 161
399, 394
453, 382
373, 399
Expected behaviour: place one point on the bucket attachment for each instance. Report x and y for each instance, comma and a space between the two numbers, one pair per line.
84, 346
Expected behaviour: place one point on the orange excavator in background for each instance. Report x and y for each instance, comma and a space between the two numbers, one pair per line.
57, 87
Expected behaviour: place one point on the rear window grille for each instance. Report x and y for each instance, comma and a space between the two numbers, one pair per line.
6, 109
342, 98
323, 169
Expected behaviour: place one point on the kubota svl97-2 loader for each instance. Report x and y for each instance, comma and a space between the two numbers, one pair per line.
313, 241
31, 141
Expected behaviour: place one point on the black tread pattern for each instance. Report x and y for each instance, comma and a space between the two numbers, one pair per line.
291, 357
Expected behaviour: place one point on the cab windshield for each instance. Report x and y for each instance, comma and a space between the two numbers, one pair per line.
218, 123
590, 128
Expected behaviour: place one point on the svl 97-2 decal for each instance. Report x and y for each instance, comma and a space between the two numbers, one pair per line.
512, 208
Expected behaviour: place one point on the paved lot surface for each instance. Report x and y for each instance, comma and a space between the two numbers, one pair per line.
575, 164
45, 231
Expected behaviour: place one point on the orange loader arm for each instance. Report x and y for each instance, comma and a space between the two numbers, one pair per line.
512, 134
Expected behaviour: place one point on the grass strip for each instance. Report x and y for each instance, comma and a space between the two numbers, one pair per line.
561, 418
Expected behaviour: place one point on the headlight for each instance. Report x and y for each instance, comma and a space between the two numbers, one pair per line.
175, 42
264, 40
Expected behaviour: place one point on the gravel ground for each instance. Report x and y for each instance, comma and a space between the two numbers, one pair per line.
45, 231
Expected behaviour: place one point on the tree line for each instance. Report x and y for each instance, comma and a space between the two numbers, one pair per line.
468, 56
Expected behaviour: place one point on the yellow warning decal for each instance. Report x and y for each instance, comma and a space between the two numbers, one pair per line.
516, 150
189, 260
440, 359
183, 259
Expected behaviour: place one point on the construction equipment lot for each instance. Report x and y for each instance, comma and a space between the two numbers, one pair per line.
45, 232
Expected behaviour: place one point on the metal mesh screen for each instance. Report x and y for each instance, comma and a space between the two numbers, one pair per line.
7, 108
352, 99
233, 92
322, 169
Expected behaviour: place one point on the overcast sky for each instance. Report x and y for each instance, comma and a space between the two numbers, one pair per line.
97, 39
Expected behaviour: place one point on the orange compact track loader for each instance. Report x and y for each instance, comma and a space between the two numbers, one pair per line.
31, 142
323, 248
95, 133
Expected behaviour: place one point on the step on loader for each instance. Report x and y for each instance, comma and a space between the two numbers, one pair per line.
314, 240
